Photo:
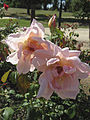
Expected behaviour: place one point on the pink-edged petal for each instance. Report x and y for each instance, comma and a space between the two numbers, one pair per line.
37, 29
68, 70
52, 61
14, 39
24, 65
74, 53
40, 26
83, 67
12, 58
73, 60
19, 52
39, 39
41, 57
81, 75
68, 94
69, 87
65, 52
39, 64
44, 90
52, 48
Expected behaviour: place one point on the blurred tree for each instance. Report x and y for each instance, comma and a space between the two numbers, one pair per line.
55, 4
67, 5
60, 13
81, 8
45, 3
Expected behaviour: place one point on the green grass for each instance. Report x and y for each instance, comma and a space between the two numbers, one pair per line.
21, 12
21, 22
42, 16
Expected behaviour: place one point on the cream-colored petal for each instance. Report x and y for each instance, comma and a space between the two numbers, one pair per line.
44, 90
24, 65
37, 29
65, 52
69, 70
52, 61
69, 87
12, 58
40, 59
13, 39
74, 53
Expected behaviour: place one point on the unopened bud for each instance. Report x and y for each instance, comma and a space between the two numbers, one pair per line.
52, 21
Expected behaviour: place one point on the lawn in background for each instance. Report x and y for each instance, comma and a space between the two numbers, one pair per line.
41, 15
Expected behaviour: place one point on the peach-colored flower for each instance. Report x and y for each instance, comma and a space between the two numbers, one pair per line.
24, 45
61, 70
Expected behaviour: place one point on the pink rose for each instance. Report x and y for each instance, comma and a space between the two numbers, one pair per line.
5, 6
24, 45
61, 70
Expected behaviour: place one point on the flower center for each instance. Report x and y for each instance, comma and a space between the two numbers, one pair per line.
31, 49
59, 69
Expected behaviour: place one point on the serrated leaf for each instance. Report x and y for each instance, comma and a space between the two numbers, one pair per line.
71, 112
5, 76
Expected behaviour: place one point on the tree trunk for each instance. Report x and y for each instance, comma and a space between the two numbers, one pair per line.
28, 10
45, 6
60, 14
32, 14
55, 5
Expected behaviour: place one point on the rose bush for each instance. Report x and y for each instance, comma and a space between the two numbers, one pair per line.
61, 68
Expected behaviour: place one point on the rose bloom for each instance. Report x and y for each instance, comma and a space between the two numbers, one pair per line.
62, 70
5, 6
24, 45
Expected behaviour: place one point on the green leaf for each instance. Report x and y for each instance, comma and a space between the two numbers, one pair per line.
60, 33
8, 113
23, 83
54, 37
71, 112
13, 77
5, 76
71, 34
12, 92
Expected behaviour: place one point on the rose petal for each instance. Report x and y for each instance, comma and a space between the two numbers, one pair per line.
69, 87
12, 58
65, 51
14, 39
40, 59
83, 67
81, 75
24, 65
37, 29
69, 70
44, 90
52, 61
74, 53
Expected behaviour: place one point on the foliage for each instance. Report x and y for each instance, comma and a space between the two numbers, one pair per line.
27, 106
10, 27
64, 37
68, 5
81, 8
2, 12
18, 92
